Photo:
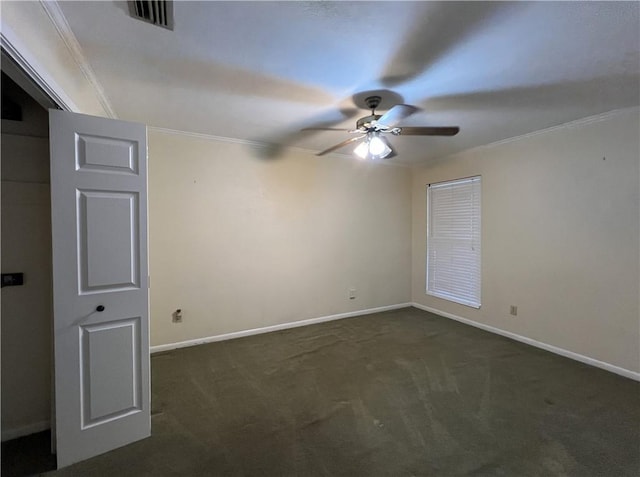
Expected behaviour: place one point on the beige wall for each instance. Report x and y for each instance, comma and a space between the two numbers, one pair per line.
239, 242
26, 310
560, 236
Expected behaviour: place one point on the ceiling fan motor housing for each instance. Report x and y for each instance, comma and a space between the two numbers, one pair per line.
366, 121
373, 102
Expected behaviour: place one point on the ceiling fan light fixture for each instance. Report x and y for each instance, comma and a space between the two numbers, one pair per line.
378, 147
373, 147
362, 151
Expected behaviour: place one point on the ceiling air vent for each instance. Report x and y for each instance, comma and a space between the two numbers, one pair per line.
157, 12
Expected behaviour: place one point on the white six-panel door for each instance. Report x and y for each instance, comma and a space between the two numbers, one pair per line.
100, 284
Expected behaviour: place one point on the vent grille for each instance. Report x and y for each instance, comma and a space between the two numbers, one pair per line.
156, 12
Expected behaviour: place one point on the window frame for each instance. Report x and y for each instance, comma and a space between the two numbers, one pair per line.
474, 301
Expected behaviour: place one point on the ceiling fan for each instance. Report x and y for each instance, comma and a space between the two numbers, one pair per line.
371, 129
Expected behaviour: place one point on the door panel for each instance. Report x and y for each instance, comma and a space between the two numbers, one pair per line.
109, 241
107, 154
114, 391
100, 284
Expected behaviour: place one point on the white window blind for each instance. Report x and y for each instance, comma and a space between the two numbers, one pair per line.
453, 241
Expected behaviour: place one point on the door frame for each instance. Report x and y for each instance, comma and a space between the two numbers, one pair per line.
27, 73
23, 68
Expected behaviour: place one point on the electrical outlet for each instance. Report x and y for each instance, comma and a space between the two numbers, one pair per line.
514, 310
352, 293
176, 316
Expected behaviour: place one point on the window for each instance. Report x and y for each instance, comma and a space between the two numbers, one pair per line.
453, 241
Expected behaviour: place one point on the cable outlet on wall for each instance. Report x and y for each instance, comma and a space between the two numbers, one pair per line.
176, 316
352, 293
514, 310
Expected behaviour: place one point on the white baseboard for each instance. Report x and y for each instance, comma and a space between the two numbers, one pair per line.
267, 329
8, 434
627, 373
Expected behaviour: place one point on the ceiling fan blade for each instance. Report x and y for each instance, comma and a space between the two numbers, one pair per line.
396, 114
342, 144
439, 27
325, 129
429, 131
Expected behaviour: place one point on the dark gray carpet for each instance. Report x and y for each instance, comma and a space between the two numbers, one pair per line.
399, 393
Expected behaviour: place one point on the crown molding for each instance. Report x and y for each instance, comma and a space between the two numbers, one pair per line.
258, 144
55, 14
245, 142
208, 137
568, 125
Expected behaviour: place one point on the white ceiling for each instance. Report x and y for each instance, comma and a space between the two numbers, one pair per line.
260, 71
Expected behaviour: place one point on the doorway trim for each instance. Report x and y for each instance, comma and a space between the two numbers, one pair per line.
23, 67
